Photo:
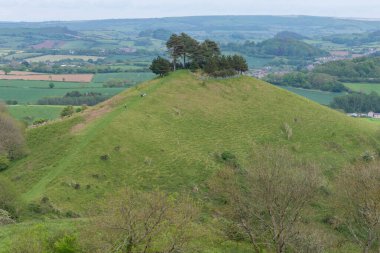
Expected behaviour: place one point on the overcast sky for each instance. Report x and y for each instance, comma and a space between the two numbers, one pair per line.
42, 10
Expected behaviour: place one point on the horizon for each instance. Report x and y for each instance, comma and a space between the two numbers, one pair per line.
71, 10
195, 16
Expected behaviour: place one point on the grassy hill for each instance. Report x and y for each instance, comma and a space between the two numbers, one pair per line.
169, 138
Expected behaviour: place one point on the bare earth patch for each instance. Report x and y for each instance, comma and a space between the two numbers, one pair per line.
49, 44
30, 76
89, 116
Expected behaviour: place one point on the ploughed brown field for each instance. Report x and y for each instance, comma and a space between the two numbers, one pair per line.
49, 44
31, 76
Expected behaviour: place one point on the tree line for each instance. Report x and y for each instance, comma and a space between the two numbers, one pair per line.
284, 44
187, 53
74, 98
357, 102
307, 80
365, 69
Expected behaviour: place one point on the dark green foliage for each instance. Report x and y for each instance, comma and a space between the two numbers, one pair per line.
357, 102
39, 121
159, 34
354, 39
11, 102
104, 157
284, 44
8, 197
289, 47
160, 66
4, 162
66, 244
361, 69
67, 111
74, 98
289, 35
205, 55
12, 141
308, 80
51, 85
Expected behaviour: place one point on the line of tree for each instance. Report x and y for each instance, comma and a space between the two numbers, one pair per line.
284, 44
365, 69
188, 53
307, 80
357, 102
74, 98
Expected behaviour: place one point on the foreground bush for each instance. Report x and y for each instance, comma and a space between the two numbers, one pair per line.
144, 222
12, 141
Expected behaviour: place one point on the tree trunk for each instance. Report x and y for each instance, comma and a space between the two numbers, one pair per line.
174, 64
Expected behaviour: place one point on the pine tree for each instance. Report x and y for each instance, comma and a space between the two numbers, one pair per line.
176, 48
160, 66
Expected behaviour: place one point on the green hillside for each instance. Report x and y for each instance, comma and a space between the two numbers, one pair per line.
169, 138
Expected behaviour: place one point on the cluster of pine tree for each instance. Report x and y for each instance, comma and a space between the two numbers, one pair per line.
188, 53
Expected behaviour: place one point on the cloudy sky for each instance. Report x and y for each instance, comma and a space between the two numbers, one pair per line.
38, 10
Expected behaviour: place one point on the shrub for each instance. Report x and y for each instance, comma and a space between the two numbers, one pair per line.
229, 159
8, 196
67, 111
4, 162
368, 156
11, 102
12, 139
5, 218
39, 121
104, 157
67, 244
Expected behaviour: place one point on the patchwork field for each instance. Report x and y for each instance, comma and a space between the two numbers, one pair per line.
322, 97
30, 91
55, 58
364, 87
31, 113
30, 76
136, 77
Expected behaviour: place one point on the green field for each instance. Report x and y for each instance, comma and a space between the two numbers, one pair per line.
322, 97
134, 77
55, 58
29, 92
30, 113
364, 87
21, 56
179, 127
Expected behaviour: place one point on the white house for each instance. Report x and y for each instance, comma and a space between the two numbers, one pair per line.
374, 115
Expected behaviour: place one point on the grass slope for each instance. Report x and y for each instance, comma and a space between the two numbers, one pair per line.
169, 138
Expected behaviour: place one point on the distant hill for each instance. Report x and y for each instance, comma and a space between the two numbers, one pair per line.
270, 25
289, 35
285, 46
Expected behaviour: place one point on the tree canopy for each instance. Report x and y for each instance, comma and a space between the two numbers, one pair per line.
188, 53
